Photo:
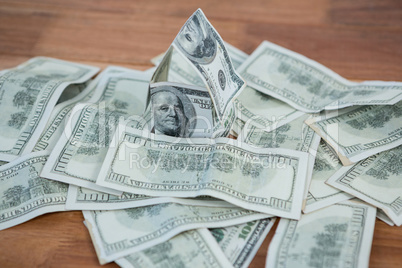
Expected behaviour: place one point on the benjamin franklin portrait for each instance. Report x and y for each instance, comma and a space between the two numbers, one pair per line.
196, 40
173, 112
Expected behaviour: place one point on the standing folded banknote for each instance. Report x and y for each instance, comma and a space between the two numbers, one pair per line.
265, 180
24, 195
79, 153
118, 233
241, 242
28, 95
181, 71
195, 248
309, 86
202, 47
362, 132
336, 236
376, 180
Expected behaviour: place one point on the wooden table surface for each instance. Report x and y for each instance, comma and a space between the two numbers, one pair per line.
359, 39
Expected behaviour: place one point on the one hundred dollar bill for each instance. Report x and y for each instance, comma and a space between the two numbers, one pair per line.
376, 180
24, 195
79, 198
321, 194
79, 152
335, 236
180, 70
118, 233
57, 123
362, 132
241, 242
202, 47
266, 180
260, 110
195, 248
28, 94
295, 135
309, 86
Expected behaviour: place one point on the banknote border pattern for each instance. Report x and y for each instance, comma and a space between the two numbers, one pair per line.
292, 161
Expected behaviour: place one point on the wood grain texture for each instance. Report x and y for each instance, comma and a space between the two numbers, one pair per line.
360, 39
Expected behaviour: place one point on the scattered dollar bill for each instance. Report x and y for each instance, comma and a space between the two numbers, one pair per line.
57, 123
79, 153
362, 132
195, 248
376, 180
295, 135
181, 110
85, 199
28, 94
335, 236
260, 110
265, 180
241, 242
24, 195
202, 47
118, 233
309, 86
321, 194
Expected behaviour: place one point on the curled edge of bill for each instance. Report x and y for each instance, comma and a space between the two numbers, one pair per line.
51, 103
73, 204
224, 114
383, 217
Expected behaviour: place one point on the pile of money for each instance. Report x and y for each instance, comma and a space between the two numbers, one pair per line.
190, 163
